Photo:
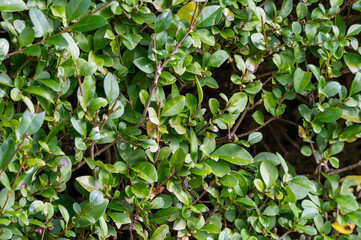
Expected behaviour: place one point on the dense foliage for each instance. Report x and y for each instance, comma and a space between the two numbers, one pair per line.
145, 119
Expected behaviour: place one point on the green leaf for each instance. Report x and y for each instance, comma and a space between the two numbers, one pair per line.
7, 149
354, 30
218, 58
79, 125
6, 80
210, 16
355, 217
76, 8
286, 8
119, 218
301, 79
160, 233
30, 124
177, 159
58, 40
301, 10
4, 47
353, 61
332, 88
96, 103
89, 23
144, 64
351, 131
347, 201
258, 117
111, 88
42, 92
269, 173
330, 114
356, 84
12, 5
307, 229
163, 21
147, 171
5, 233
26, 36
89, 183
258, 41
162, 216
96, 197
233, 153
173, 106
131, 40
39, 21
229, 181
219, 168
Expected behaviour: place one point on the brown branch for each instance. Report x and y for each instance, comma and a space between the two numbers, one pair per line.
101, 7
341, 170
79, 79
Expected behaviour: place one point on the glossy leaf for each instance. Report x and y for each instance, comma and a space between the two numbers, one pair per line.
89, 23
173, 106
76, 8
233, 153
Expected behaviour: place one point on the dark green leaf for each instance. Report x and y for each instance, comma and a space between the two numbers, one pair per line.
30, 123
163, 21
173, 106
89, 23
233, 153
76, 8
89, 183
218, 58
330, 114
353, 61
147, 171
144, 64
269, 173
301, 79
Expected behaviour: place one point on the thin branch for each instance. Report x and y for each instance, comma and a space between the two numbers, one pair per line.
79, 79
13, 155
230, 135
257, 128
348, 168
285, 234
101, 7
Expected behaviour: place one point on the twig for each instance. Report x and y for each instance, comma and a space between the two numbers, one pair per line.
264, 33
160, 66
230, 135
101, 7
257, 128
285, 234
13, 155
78, 76
248, 108
341, 170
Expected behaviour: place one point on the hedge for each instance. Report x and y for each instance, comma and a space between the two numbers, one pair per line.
149, 119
